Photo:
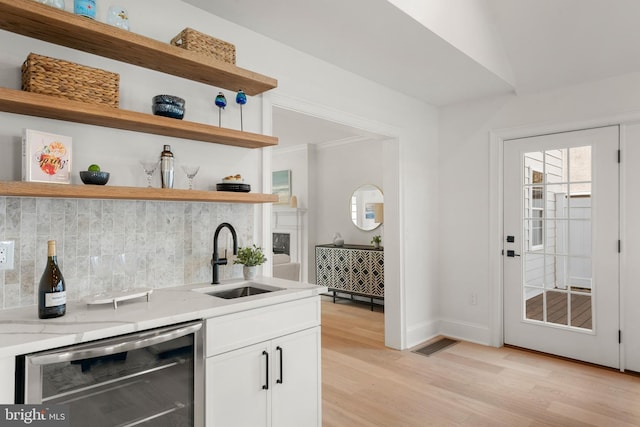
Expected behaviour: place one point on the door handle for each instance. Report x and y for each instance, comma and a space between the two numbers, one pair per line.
512, 254
279, 380
266, 365
116, 345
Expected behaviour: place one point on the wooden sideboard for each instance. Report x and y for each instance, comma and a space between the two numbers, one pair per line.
351, 269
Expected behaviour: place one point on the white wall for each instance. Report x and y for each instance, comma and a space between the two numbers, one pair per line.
466, 191
413, 273
296, 160
342, 169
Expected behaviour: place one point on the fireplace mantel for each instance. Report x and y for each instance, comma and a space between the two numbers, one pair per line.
291, 221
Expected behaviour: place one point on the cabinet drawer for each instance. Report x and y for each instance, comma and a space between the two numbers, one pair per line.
241, 329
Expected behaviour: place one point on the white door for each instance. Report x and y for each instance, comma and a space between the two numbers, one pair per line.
561, 215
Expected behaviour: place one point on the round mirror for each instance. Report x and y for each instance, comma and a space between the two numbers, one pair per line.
366, 207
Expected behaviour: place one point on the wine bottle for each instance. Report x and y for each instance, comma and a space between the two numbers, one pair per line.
52, 295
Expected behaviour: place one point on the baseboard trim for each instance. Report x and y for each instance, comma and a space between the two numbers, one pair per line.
472, 332
422, 332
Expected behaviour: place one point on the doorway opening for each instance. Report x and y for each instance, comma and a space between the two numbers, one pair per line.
314, 140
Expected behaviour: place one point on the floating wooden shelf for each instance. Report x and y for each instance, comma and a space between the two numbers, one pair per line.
38, 21
42, 22
33, 189
34, 104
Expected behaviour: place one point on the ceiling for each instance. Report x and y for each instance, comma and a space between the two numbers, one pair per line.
294, 128
546, 43
555, 43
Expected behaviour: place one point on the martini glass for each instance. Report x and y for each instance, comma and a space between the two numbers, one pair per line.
149, 169
191, 171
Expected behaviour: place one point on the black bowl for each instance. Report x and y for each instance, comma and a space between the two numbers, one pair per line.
168, 99
168, 110
94, 178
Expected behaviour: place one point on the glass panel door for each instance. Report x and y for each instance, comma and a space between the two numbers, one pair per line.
561, 277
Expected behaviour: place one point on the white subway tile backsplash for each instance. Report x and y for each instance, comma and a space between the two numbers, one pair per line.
107, 245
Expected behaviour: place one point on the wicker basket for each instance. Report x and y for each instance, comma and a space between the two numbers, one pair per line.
63, 79
196, 41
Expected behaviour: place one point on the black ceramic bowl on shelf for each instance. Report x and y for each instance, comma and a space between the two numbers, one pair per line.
168, 99
168, 106
239, 187
168, 110
94, 178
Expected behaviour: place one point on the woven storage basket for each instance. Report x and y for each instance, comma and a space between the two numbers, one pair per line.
63, 79
196, 41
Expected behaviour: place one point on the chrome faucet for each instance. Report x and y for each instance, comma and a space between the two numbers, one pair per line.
216, 260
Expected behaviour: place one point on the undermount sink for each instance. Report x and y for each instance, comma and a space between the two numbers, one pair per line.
243, 291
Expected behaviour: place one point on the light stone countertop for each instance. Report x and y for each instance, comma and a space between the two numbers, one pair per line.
21, 332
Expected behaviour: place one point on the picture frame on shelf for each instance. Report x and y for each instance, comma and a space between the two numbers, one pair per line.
46, 157
281, 186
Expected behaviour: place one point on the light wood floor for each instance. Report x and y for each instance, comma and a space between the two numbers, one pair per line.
366, 384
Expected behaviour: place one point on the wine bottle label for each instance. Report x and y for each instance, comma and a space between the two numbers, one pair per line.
54, 299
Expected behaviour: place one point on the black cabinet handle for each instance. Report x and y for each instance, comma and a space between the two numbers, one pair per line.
266, 365
278, 348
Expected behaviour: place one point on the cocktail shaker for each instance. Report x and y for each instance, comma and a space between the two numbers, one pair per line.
166, 167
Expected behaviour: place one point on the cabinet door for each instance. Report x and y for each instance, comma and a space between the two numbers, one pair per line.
234, 388
7, 370
377, 273
324, 267
296, 382
360, 268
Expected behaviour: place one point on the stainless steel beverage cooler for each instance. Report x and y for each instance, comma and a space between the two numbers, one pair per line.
152, 378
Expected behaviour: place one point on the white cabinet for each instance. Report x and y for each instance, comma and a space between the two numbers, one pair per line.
274, 383
263, 367
7, 372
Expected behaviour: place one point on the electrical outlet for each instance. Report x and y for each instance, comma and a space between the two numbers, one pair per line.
6, 255
474, 299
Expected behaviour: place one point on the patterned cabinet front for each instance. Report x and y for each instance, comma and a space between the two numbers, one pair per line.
350, 268
323, 270
377, 273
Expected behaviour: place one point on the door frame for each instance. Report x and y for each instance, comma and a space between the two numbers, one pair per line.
497, 138
395, 325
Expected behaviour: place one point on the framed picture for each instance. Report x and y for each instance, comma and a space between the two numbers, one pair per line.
46, 157
281, 185
369, 211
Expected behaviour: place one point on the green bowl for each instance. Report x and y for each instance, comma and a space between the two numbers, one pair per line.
94, 178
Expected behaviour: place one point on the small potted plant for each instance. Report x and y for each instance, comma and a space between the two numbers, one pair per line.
250, 257
376, 241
